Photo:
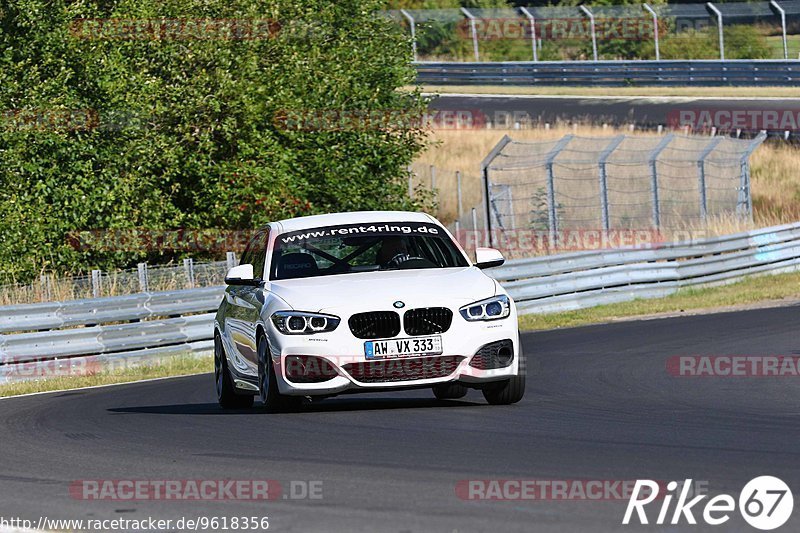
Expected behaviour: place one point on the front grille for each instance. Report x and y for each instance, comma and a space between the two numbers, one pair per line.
494, 355
411, 369
375, 324
427, 320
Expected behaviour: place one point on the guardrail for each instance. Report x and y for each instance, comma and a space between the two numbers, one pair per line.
143, 327
613, 73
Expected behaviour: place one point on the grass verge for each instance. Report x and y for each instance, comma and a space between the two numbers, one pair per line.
769, 288
717, 92
179, 365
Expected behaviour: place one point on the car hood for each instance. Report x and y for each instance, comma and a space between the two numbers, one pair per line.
371, 291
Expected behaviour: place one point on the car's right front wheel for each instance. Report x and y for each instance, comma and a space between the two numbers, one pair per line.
268, 382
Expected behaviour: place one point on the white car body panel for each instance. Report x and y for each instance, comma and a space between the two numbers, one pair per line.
246, 309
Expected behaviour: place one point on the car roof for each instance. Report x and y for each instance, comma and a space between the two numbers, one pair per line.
354, 217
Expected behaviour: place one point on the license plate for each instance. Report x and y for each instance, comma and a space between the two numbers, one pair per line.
403, 347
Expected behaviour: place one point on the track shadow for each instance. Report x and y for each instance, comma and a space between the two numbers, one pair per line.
325, 406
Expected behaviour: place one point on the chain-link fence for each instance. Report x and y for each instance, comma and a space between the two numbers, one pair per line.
604, 184
50, 287
636, 31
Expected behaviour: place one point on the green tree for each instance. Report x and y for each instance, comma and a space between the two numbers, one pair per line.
182, 130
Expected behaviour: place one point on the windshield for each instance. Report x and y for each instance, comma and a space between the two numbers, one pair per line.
363, 248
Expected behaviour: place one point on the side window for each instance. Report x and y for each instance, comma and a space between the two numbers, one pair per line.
258, 248
256, 253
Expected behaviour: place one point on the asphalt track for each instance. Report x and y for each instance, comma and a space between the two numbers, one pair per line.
644, 112
600, 406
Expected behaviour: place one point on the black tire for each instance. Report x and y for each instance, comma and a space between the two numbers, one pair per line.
505, 392
449, 391
273, 400
226, 392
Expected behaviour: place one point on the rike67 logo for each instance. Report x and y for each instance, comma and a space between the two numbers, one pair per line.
765, 503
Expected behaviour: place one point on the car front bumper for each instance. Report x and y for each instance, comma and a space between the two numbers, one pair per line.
352, 371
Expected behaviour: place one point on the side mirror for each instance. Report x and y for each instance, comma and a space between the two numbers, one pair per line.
488, 258
241, 275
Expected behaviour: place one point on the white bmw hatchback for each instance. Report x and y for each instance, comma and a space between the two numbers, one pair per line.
364, 301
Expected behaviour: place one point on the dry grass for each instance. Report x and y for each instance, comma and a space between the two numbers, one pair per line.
775, 182
177, 365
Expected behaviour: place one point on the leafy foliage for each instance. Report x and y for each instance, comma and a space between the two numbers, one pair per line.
181, 131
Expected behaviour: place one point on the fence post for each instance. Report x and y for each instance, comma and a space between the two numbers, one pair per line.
410, 182
230, 259
718, 13
653, 160
458, 193
413, 25
745, 200
97, 283
188, 266
487, 186
474, 32
601, 162
591, 25
782, 13
655, 29
701, 176
44, 281
552, 212
143, 279
532, 21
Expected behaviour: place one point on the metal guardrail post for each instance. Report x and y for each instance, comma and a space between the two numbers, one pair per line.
532, 21
487, 185
412, 23
601, 163
143, 277
701, 176
97, 281
782, 14
745, 201
188, 267
655, 29
230, 259
474, 31
653, 160
594, 32
718, 13
552, 211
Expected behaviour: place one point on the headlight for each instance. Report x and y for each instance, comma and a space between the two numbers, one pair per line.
300, 323
493, 308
